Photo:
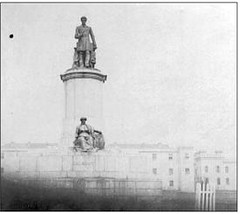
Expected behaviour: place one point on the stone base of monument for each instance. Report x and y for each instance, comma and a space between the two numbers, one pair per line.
83, 89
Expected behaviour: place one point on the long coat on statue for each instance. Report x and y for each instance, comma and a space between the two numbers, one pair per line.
82, 34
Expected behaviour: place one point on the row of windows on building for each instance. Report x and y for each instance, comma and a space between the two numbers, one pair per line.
171, 182
170, 156
218, 169
170, 171
227, 181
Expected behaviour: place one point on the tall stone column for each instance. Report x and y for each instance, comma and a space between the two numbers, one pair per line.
83, 98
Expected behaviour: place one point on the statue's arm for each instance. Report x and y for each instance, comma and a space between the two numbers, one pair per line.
77, 34
93, 38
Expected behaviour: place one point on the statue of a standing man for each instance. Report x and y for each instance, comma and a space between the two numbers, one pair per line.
84, 47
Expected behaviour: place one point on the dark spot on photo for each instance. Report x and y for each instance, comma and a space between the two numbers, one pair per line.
11, 36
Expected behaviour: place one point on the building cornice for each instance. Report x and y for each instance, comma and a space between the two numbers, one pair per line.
158, 151
209, 157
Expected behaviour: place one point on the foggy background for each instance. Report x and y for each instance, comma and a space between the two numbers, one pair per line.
171, 71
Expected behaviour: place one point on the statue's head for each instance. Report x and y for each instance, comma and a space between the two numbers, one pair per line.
83, 19
83, 120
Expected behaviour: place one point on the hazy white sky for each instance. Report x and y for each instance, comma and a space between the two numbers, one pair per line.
171, 71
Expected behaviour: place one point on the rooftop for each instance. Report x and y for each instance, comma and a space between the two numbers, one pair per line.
139, 146
13, 145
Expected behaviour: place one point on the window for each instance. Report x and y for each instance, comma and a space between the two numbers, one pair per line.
170, 157
154, 170
226, 169
218, 181
187, 171
171, 183
218, 169
154, 156
227, 181
170, 171
206, 168
186, 155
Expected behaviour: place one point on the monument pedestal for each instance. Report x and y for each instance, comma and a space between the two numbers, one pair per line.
83, 98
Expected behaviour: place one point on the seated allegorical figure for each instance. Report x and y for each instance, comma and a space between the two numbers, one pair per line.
86, 138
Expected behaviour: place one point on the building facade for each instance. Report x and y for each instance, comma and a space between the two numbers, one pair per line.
174, 167
215, 169
155, 166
